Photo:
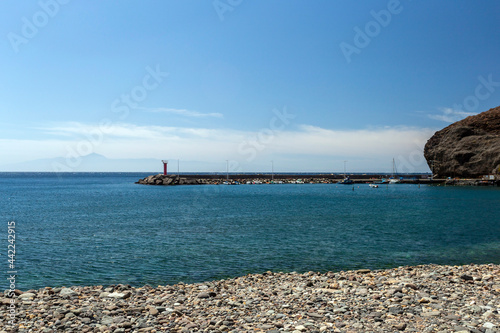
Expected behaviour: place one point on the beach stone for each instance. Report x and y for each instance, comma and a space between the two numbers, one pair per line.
396, 309
400, 326
425, 300
203, 295
106, 320
26, 296
431, 314
315, 315
118, 295
67, 292
411, 285
126, 324
152, 310
489, 325
69, 315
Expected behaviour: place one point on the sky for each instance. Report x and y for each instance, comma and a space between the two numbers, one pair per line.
301, 86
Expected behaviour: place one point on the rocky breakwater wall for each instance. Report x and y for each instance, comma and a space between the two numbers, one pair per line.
469, 148
472, 182
161, 179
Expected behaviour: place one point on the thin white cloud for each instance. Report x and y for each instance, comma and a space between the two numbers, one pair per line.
183, 112
304, 148
128, 131
450, 115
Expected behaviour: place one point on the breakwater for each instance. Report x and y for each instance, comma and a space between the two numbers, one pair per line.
472, 182
236, 179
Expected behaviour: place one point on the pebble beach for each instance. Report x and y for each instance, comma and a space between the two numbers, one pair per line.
429, 298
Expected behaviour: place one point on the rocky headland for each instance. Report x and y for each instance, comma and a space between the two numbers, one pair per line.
428, 298
469, 148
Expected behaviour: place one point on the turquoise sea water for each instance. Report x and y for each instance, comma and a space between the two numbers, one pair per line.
101, 229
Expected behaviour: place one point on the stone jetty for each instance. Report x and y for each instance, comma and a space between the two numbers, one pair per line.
428, 298
236, 179
161, 179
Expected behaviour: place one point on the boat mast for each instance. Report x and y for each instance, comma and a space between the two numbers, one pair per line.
394, 169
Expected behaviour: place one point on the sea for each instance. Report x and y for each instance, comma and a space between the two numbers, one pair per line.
79, 229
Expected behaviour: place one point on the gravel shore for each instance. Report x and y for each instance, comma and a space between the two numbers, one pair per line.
427, 298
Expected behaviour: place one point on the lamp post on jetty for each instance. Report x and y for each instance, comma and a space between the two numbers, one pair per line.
227, 169
165, 162
272, 170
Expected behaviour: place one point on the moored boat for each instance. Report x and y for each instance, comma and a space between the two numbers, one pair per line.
346, 181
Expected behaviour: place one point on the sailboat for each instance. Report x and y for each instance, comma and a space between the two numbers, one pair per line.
346, 180
393, 180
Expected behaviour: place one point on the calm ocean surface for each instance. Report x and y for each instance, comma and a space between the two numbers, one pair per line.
100, 229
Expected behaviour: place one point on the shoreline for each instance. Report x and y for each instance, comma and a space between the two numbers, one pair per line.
421, 298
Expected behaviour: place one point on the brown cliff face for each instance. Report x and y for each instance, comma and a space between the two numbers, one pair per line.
467, 148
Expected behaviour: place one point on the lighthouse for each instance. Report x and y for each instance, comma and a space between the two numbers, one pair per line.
165, 162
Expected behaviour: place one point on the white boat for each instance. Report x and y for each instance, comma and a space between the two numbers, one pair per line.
373, 185
394, 180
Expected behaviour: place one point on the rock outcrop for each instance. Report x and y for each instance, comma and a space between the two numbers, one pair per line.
467, 148
161, 179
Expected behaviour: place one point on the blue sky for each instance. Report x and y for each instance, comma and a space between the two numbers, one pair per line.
307, 84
